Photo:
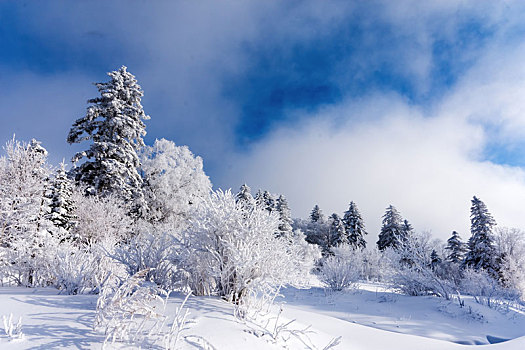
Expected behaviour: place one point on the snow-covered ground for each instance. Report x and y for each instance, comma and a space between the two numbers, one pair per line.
371, 317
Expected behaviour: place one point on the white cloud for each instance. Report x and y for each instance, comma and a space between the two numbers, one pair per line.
426, 166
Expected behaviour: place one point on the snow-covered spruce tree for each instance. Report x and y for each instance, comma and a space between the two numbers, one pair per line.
392, 230
285, 216
174, 182
456, 249
232, 252
316, 215
265, 200
406, 228
245, 197
60, 196
318, 230
481, 253
354, 227
435, 260
336, 232
114, 122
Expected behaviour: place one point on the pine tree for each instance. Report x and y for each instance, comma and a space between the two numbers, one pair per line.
114, 122
265, 200
316, 215
244, 196
481, 252
435, 260
456, 249
354, 227
406, 229
337, 233
285, 216
317, 229
392, 232
62, 206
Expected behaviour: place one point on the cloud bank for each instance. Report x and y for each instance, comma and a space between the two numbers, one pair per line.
382, 149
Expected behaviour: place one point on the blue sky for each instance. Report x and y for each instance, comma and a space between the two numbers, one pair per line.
233, 80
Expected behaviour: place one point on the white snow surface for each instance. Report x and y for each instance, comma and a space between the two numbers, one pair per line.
371, 317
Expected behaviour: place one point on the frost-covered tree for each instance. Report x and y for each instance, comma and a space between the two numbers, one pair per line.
60, 196
285, 216
456, 249
415, 267
318, 230
406, 228
354, 227
435, 260
174, 182
265, 200
25, 229
316, 215
392, 229
336, 232
232, 252
24, 175
510, 246
245, 197
481, 252
114, 124
100, 219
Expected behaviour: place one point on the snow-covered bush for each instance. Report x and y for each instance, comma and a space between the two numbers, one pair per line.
12, 331
485, 289
75, 270
100, 218
374, 266
306, 254
85, 269
156, 251
231, 251
128, 311
337, 273
413, 270
510, 245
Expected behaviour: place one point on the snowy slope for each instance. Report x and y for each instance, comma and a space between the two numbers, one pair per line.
371, 318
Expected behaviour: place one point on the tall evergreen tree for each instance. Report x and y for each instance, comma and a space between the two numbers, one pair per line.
244, 195
354, 227
406, 229
60, 196
392, 231
114, 122
265, 200
435, 260
316, 215
285, 216
337, 233
456, 249
481, 252
317, 231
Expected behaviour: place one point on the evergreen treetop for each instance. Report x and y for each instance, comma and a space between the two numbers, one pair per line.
354, 227
392, 232
316, 215
456, 248
114, 124
481, 252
